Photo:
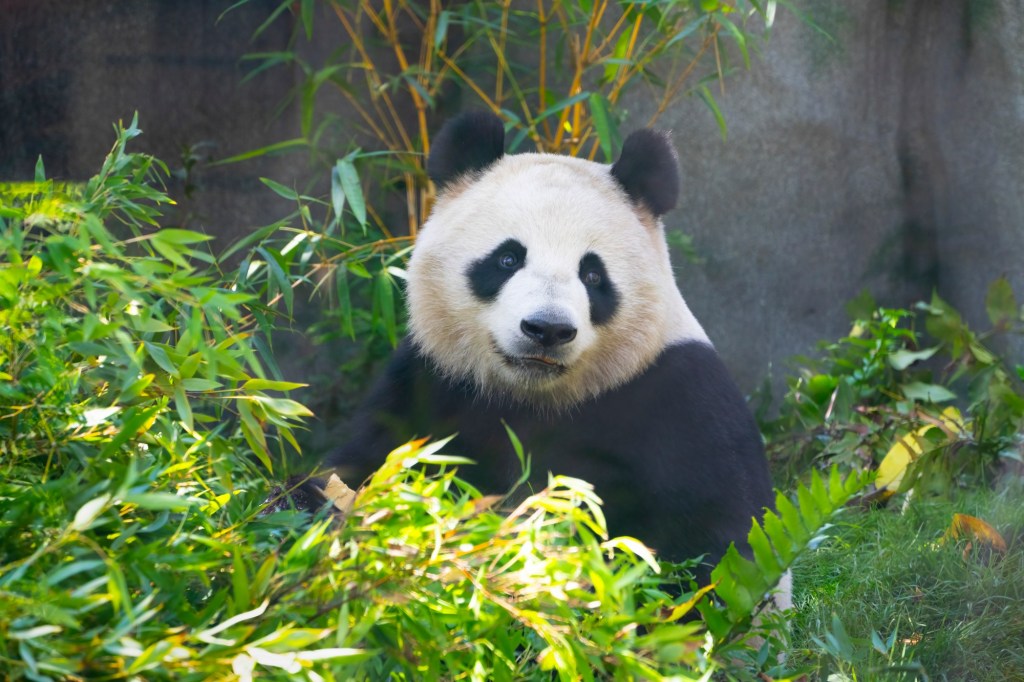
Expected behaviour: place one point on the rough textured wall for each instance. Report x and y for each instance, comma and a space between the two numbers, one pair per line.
891, 159
69, 70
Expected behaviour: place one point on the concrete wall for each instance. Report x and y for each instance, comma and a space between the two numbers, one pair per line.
891, 159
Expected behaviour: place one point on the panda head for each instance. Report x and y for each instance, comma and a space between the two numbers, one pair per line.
541, 278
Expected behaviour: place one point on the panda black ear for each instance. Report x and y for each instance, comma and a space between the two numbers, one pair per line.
469, 142
648, 169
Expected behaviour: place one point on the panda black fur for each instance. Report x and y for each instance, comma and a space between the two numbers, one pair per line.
541, 295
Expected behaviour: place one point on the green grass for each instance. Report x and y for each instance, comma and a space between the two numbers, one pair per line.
888, 571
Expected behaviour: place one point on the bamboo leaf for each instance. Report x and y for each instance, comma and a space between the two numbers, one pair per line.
604, 125
705, 95
269, 150
344, 302
441, 32
352, 189
280, 189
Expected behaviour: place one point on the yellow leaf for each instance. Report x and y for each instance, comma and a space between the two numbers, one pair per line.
684, 608
894, 465
973, 528
953, 420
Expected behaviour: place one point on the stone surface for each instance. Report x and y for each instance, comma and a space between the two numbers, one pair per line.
889, 160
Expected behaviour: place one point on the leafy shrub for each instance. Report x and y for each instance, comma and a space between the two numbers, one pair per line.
933, 407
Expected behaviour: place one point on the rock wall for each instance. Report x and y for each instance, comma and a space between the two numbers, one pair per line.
890, 158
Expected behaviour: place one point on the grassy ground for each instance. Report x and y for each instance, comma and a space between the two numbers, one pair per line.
936, 612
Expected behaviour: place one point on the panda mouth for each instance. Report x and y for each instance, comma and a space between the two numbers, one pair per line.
536, 363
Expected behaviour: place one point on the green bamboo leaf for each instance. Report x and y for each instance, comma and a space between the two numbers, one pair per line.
358, 268
344, 302
135, 420
72, 569
307, 17
282, 406
307, 107
151, 325
89, 512
254, 435
176, 236
441, 32
604, 125
239, 581
353, 190
280, 189
269, 150
337, 197
705, 94
158, 501
739, 37
159, 355
40, 175
279, 277
183, 407
386, 300
270, 385
201, 385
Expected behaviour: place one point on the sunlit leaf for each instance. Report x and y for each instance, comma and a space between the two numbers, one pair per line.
965, 526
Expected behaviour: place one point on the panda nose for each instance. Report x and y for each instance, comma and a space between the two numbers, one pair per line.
548, 332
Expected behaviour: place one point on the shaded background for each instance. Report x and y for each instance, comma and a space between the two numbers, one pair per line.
889, 157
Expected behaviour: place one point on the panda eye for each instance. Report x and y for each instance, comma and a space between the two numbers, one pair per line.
592, 278
508, 260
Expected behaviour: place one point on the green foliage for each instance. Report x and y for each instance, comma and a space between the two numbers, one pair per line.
888, 394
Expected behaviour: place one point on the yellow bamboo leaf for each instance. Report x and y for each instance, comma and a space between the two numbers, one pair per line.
684, 608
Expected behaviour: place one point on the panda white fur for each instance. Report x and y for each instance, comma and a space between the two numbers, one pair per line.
541, 295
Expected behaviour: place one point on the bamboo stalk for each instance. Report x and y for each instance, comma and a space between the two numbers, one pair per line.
582, 57
672, 92
543, 65
376, 87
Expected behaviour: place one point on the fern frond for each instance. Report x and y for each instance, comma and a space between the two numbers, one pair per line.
741, 583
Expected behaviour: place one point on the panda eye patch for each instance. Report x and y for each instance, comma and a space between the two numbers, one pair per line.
604, 297
488, 275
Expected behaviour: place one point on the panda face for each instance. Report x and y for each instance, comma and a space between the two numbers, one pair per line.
540, 281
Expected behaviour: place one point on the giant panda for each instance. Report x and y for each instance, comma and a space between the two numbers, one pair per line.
540, 295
